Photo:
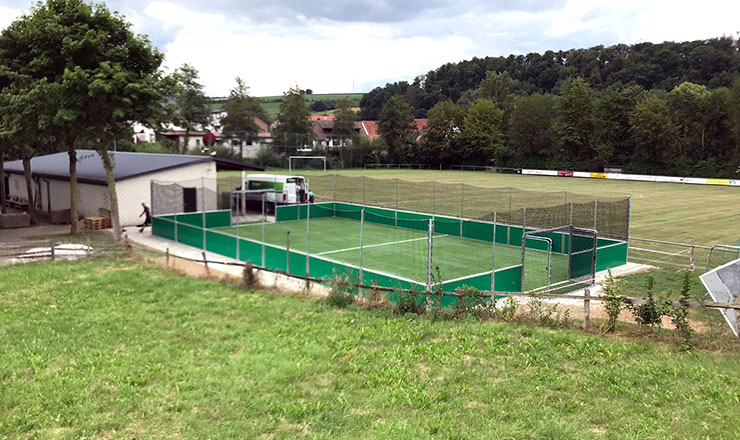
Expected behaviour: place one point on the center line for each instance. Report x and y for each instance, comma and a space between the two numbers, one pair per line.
377, 245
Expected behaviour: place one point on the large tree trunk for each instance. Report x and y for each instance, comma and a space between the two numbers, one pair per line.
113, 194
184, 146
29, 189
3, 189
73, 200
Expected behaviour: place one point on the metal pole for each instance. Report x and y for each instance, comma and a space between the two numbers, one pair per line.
434, 197
462, 201
287, 251
524, 220
264, 263
363, 190
565, 208
571, 214
493, 258
203, 206
308, 224
243, 194
596, 211
175, 220
395, 213
335, 187
510, 191
396, 194
629, 216
362, 236
430, 245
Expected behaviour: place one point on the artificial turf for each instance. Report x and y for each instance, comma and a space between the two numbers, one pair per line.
401, 252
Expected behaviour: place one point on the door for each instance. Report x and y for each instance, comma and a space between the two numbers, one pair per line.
190, 199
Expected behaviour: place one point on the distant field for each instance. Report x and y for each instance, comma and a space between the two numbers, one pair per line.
694, 214
123, 349
271, 104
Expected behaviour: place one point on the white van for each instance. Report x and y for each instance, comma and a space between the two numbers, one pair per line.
286, 190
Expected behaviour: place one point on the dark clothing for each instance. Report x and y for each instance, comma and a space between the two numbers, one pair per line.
147, 213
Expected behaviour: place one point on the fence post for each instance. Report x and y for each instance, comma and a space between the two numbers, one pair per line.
434, 197
596, 212
362, 237
287, 251
174, 219
510, 191
205, 262
571, 214
243, 194
308, 224
167, 258
629, 217
524, 220
462, 201
335, 186
203, 206
264, 219
53, 254
430, 246
587, 309
363, 191
493, 259
565, 207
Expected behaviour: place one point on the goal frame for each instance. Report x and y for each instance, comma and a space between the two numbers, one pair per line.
290, 160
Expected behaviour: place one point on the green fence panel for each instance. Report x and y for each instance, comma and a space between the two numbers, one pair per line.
345, 210
380, 216
478, 230
515, 236
286, 213
481, 282
192, 219
221, 244
322, 210
581, 243
410, 220
539, 245
509, 279
190, 235
603, 242
613, 256
321, 268
501, 236
275, 258
251, 251
162, 227
218, 219
580, 264
447, 226
297, 264
559, 241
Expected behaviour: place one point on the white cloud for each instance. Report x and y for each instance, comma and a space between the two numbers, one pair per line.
7, 15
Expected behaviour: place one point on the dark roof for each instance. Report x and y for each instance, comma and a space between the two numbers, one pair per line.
90, 166
235, 165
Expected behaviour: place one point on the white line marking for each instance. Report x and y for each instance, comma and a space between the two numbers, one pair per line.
378, 245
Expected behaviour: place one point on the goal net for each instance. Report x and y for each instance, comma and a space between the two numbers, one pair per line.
307, 163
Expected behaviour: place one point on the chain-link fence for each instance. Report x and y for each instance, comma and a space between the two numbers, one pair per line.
196, 195
608, 215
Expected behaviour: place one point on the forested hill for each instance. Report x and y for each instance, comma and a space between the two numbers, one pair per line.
713, 63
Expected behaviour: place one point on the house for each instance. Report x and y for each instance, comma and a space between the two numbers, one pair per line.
134, 174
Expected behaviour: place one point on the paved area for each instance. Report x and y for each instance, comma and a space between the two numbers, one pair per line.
25, 234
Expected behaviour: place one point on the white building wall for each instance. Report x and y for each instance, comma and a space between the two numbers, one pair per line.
132, 192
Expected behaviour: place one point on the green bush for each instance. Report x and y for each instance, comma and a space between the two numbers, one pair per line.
613, 300
680, 314
650, 313
343, 290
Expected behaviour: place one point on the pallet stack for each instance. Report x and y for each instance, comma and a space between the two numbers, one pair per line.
97, 222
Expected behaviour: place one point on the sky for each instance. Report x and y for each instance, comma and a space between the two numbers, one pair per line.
341, 46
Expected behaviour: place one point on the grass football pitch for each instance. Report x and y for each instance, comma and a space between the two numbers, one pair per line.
698, 214
402, 252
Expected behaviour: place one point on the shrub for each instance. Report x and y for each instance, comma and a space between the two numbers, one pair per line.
651, 312
343, 290
679, 314
613, 300
508, 311
408, 302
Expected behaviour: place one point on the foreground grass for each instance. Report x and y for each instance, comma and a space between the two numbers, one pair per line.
110, 348
696, 214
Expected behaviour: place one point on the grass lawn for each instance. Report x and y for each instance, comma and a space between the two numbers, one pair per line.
696, 214
112, 348
400, 251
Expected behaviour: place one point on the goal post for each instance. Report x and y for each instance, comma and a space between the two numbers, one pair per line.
293, 160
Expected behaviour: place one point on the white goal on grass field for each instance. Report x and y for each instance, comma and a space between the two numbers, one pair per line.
306, 162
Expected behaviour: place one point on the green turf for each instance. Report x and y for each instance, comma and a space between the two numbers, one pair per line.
400, 251
698, 214
122, 349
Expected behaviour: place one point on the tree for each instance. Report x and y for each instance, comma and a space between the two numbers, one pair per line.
611, 122
241, 110
444, 124
689, 102
397, 129
81, 73
734, 114
293, 126
497, 87
481, 136
192, 103
530, 128
574, 122
654, 131
344, 124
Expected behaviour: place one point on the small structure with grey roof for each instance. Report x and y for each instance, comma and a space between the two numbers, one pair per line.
133, 173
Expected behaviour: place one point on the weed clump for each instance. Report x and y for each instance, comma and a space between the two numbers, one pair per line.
343, 290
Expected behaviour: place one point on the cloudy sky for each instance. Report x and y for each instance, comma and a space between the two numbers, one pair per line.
342, 45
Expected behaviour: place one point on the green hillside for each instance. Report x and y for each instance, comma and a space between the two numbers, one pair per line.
271, 104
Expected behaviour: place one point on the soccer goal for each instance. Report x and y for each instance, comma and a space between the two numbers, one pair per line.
307, 163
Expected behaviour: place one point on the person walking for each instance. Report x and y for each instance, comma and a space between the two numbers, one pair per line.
147, 219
